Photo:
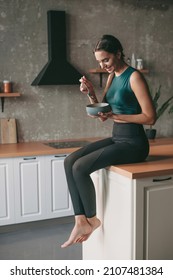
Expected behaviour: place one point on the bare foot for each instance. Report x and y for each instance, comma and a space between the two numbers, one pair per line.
94, 223
82, 230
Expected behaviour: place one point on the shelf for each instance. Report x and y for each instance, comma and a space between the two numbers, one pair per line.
97, 71
10, 94
102, 71
4, 95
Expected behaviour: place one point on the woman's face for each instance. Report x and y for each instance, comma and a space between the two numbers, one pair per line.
108, 61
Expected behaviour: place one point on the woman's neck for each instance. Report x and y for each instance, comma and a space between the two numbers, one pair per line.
121, 68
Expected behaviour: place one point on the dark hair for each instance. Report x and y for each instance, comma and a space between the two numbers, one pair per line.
109, 44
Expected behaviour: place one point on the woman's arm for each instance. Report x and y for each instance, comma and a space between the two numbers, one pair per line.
86, 87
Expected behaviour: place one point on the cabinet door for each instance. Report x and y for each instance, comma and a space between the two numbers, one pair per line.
57, 194
6, 192
157, 218
29, 180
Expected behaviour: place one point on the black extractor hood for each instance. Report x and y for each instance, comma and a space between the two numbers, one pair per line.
57, 71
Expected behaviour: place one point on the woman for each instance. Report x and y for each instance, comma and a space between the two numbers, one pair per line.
128, 95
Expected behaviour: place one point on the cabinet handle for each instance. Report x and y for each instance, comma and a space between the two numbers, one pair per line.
160, 180
29, 158
60, 156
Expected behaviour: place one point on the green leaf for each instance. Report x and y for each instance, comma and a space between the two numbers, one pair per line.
156, 97
163, 107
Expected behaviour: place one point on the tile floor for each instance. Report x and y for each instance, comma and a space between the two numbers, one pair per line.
38, 241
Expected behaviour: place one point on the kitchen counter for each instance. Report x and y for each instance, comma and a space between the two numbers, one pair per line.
159, 162
137, 199
36, 148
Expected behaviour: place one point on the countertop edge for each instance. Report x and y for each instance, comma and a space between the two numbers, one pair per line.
140, 175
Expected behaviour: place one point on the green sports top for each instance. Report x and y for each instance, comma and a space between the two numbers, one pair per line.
120, 95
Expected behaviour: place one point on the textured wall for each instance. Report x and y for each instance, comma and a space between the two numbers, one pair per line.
51, 112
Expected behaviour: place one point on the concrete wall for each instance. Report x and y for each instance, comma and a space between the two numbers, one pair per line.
56, 112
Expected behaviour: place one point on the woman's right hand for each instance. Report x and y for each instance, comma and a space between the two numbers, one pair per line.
86, 86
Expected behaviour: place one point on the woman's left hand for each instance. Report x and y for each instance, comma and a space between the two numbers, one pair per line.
101, 118
105, 116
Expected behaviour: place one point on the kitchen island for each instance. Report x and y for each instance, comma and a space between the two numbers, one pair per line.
134, 201
135, 205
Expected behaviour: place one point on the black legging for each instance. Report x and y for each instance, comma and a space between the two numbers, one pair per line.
128, 144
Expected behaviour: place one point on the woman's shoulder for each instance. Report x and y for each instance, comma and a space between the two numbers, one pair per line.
136, 74
132, 70
137, 79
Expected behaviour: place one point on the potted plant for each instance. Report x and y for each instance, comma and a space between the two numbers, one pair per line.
160, 109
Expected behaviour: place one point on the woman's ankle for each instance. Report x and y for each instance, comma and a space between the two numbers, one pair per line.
94, 221
80, 219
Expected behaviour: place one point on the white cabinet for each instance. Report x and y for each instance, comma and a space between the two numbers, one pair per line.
137, 218
156, 206
57, 194
29, 185
33, 188
6, 192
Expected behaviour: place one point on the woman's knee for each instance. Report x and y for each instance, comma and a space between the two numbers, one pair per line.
79, 167
68, 161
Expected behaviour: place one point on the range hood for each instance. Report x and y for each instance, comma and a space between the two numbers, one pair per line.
57, 71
